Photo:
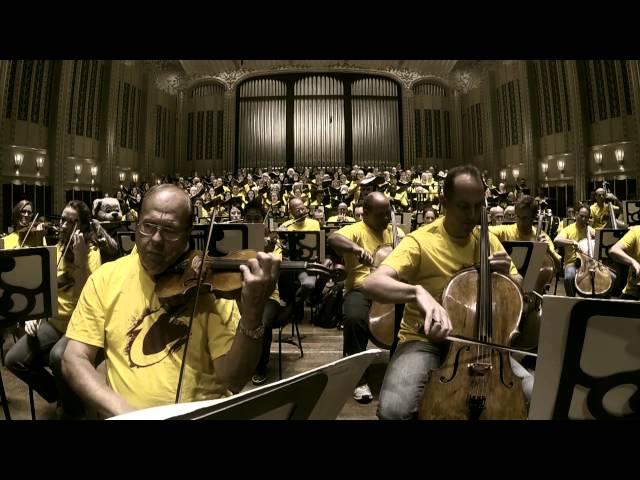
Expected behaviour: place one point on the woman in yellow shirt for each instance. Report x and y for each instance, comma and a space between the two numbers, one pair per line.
28, 358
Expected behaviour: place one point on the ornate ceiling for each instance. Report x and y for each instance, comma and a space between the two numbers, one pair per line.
175, 75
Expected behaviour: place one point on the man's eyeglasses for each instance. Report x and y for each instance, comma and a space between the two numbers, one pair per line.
149, 229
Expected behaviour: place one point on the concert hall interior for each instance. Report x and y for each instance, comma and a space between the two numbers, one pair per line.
461, 234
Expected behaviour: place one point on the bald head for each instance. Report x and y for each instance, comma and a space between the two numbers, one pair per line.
377, 211
168, 195
375, 199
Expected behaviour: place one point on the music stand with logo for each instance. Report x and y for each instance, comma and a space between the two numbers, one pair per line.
588, 364
28, 290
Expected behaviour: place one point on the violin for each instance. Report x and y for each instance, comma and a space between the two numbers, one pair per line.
221, 277
28, 237
475, 380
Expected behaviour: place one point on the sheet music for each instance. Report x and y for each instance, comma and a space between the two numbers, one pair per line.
342, 377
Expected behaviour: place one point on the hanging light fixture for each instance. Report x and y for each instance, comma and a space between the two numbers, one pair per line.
516, 173
123, 177
134, 177
78, 170
94, 174
561, 167
503, 174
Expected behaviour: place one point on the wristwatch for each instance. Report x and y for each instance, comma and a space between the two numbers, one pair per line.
255, 333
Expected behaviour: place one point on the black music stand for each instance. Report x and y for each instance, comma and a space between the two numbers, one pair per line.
319, 394
25, 295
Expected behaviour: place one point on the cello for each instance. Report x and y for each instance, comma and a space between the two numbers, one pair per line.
593, 278
382, 317
475, 380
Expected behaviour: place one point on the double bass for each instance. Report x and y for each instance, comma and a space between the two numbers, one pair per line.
613, 222
548, 269
475, 380
382, 317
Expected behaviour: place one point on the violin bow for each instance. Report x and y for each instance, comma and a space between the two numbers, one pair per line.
35, 217
66, 247
193, 312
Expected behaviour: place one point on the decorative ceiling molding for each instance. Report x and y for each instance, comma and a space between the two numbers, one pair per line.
465, 81
182, 82
174, 76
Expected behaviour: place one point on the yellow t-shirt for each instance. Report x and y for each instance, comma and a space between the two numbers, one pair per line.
598, 213
143, 342
573, 233
630, 243
66, 299
361, 234
430, 257
509, 233
13, 241
403, 198
309, 225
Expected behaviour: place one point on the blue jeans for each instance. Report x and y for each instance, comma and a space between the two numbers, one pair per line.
407, 374
569, 280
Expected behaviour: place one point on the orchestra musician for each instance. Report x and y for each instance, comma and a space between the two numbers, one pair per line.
600, 209
524, 229
496, 215
342, 216
429, 216
300, 220
144, 339
415, 274
21, 221
568, 238
273, 314
627, 251
358, 213
357, 244
44, 342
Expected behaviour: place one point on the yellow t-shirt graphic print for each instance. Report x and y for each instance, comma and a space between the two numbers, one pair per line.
155, 335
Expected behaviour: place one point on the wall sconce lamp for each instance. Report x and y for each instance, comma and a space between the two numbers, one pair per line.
78, 170
134, 177
561, 167
18, 158
545, 168
620, 158
503, 174
516, 173
94, 174
597, 157
39, 165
